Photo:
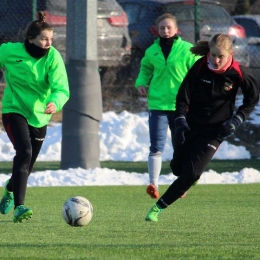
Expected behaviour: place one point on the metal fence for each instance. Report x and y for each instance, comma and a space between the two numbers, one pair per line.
126, 28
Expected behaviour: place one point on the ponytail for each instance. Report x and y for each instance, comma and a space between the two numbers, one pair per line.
200, 48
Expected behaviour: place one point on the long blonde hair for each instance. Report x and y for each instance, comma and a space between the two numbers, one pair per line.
219, 40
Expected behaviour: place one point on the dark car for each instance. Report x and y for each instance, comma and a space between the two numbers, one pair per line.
251, 24
213, 19
113, 43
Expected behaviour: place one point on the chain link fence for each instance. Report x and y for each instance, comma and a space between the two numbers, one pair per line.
126, 28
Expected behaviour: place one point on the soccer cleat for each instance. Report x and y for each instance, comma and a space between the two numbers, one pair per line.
152, 191
7, 201
153, 213
21, 213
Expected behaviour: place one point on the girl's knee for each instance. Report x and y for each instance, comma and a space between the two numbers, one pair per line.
27, 152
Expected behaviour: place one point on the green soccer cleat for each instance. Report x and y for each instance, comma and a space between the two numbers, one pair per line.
21, 213
153, 213
7, 201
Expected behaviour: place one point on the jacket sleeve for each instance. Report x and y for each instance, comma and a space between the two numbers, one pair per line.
58, 81
250, 92
192, 58
186, 89
3, 51
146, 71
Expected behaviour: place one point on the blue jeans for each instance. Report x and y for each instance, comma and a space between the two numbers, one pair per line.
159, 121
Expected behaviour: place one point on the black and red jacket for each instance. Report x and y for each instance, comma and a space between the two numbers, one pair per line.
206, 97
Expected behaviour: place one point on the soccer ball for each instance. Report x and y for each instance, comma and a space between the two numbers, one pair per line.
77, 211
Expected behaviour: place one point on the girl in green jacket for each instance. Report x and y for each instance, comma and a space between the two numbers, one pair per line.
36, 88
163, 68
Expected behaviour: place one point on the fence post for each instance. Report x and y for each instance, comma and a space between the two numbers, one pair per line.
34, 9
197, 20
83, 112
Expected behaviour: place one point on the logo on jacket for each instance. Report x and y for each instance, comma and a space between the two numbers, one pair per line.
206, 81
228, 86
39, 139
212, 146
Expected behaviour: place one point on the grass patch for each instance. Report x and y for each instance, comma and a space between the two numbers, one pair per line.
212, 222
219, 166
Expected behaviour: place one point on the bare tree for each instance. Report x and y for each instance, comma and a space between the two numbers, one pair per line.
255, 7
241, 6
245, 6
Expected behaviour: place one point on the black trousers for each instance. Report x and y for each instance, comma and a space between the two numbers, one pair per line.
27, 142
190, 160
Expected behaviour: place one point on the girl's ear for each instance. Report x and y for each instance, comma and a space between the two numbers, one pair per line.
29, 39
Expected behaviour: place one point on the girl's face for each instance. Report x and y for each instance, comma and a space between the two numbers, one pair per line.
43, 40
167, 28
219, 57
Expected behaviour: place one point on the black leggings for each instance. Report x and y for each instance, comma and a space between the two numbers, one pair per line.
27, 142
189, 161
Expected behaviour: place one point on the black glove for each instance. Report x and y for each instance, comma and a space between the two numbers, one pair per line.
181, 127
229, 126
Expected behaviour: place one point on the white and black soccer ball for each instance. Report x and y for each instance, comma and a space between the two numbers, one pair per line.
77, 211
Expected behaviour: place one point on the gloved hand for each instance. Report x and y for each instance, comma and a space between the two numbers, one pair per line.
229, 126
181, 127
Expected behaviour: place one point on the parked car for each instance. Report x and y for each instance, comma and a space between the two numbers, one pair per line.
251, 24
113, 43
213, 19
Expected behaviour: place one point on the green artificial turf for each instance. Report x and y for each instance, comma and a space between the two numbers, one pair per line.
212, 222
219, 166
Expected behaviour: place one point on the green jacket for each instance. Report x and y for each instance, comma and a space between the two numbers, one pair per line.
164, 77
32, 83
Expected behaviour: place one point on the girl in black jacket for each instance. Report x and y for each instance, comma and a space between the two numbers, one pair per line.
205, 114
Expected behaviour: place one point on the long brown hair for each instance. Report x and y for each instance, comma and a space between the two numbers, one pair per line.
37, 26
